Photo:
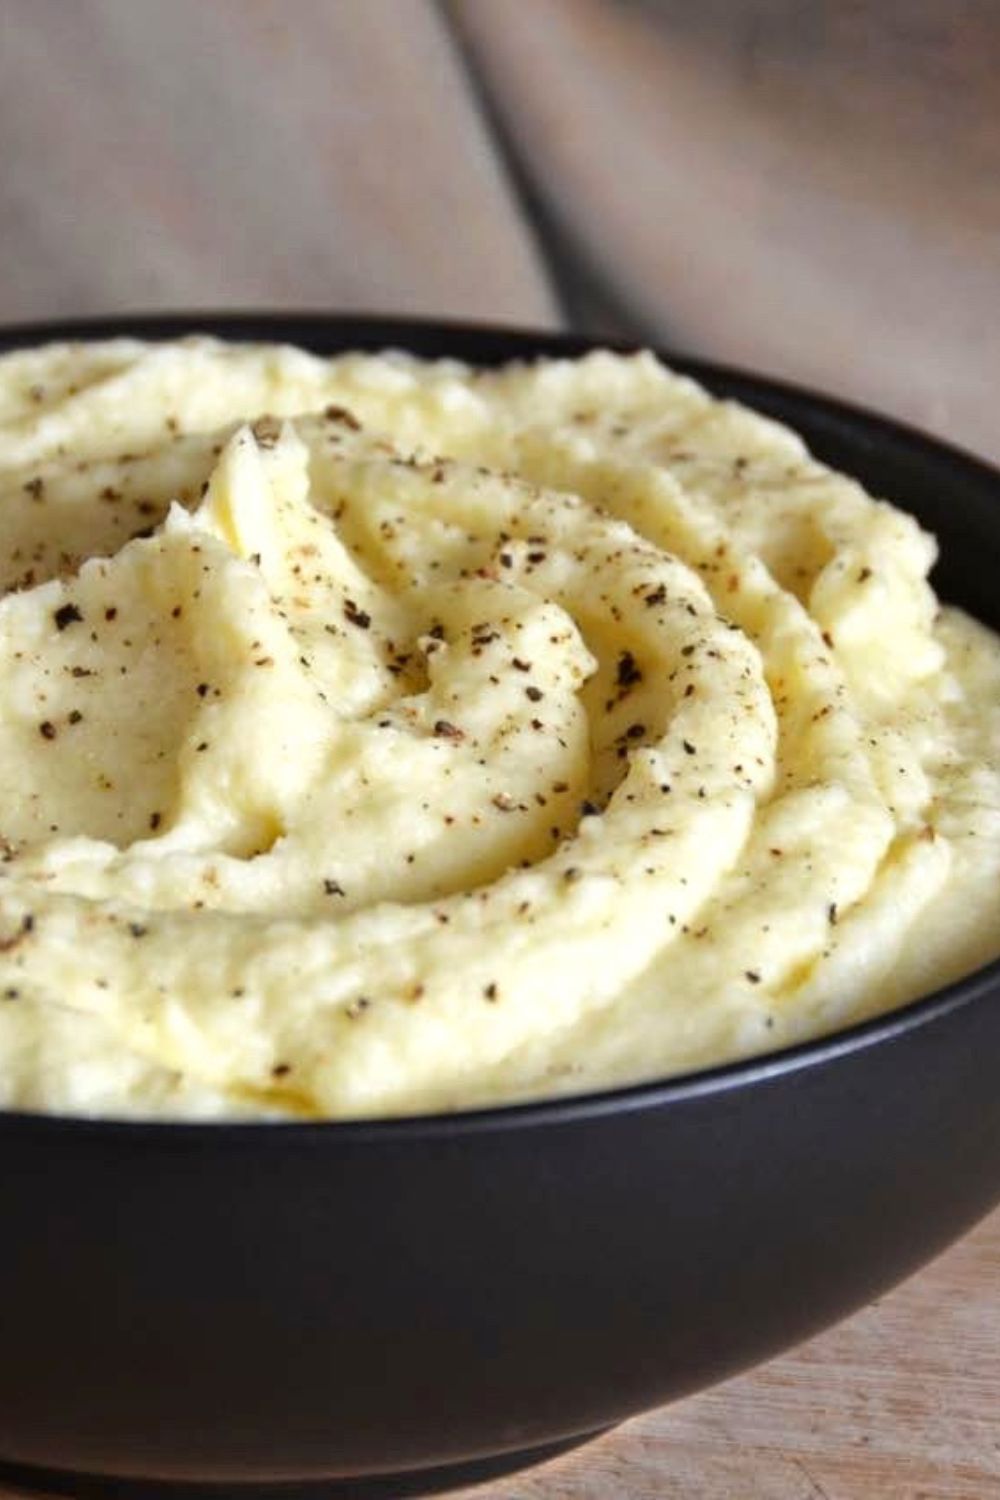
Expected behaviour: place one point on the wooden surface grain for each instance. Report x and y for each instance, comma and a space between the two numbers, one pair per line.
245, 153
902, 1402
729, 193
807, 189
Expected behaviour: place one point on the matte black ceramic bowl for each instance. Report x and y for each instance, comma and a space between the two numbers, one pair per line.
244, 1304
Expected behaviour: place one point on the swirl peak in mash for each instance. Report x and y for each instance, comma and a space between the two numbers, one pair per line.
380, 737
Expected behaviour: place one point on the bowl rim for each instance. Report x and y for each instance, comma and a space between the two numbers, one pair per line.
247, 325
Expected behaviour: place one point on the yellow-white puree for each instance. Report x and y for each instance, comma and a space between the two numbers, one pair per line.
379, 736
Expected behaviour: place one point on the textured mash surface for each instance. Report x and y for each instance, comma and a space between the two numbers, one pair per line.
379, 736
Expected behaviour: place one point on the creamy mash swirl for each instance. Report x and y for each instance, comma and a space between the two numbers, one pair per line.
379, 736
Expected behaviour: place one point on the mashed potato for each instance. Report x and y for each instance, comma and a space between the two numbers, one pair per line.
380, 736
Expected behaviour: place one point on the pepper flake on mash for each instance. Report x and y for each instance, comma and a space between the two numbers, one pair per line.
380, 737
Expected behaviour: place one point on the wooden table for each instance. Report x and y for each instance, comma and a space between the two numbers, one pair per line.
239, 152
902, 1402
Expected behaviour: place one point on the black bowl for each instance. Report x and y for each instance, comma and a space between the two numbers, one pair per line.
431, 1300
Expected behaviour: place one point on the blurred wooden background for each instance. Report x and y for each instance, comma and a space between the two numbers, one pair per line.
811, 189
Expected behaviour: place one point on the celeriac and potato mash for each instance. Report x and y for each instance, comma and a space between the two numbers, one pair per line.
379, 736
